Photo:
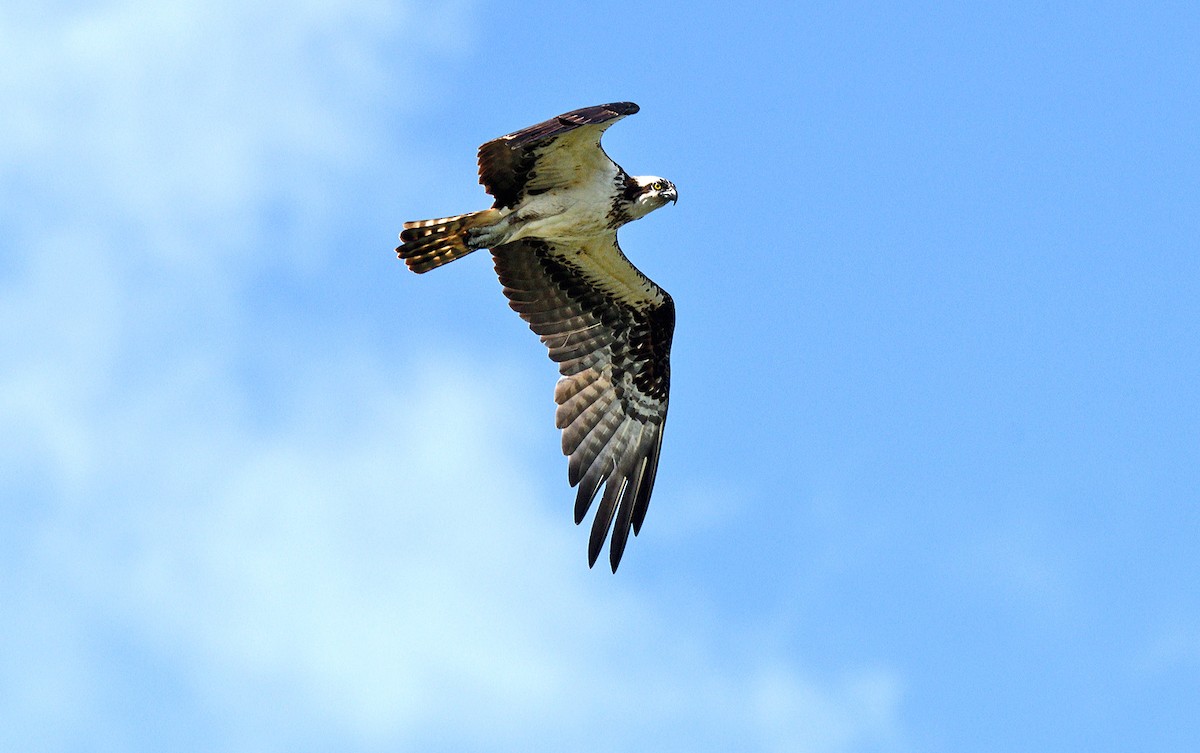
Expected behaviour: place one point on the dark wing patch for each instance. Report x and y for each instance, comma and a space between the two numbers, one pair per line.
558, 151
611, 337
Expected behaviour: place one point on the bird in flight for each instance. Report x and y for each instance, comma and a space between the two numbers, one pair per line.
552, 231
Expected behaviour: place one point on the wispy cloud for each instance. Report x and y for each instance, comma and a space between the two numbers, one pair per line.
182, 126
1169, 649
344, 567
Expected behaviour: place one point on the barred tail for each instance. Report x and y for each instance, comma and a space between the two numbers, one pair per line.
427, 244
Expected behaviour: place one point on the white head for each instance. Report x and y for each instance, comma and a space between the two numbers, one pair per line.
653, 192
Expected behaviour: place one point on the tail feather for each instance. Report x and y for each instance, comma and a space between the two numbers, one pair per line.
426, 244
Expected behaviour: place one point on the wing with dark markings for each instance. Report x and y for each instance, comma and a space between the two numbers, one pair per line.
609, 328
560, 151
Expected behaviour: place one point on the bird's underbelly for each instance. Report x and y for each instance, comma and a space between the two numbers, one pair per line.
563, 217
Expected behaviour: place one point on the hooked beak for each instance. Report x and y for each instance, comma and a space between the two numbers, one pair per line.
673, 195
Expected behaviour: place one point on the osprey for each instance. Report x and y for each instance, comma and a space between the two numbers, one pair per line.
552, 231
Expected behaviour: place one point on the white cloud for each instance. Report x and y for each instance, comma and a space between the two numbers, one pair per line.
183, 126
370, 564
350, 571
150, 152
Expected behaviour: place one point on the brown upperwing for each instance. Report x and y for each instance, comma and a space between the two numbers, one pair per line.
556, 152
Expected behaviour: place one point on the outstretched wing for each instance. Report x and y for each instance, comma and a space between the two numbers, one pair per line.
561, 151
609, 328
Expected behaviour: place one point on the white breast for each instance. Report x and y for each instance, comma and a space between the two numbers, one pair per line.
566, 213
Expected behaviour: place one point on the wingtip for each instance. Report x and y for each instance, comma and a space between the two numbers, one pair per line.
584, 497
592, 558
614, 556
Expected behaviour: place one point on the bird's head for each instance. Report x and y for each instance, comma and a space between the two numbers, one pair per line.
653, 192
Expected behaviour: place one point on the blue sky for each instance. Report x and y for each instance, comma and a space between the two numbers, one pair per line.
930, 481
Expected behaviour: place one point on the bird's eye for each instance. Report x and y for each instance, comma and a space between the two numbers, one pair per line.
658, 185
